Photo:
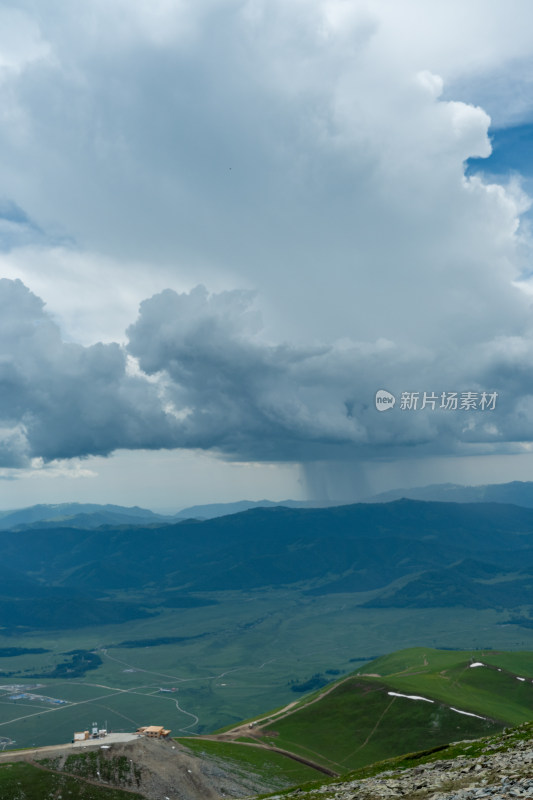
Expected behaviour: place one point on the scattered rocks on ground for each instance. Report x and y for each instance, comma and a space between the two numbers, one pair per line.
493, 776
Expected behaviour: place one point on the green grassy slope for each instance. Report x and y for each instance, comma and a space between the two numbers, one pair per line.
486, 746
363, 719
270, 767
446, 676
359, 722
26, 782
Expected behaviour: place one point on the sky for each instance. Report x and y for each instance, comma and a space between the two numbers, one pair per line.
225, 226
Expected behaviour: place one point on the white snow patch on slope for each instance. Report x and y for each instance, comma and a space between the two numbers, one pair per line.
466, 713
410, 696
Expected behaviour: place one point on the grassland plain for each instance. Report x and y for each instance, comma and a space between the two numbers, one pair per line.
235, 660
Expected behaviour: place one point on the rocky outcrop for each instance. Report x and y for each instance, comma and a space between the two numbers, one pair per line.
502, 771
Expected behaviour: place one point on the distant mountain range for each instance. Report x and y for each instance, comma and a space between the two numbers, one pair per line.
93, 515
519, 493
213, 510
407, 553
81, 515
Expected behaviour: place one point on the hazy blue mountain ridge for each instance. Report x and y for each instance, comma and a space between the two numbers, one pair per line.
477, 555
212, 510
79, 514
92, 515
518, 493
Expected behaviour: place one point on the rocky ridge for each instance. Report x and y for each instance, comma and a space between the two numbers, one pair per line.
500, 768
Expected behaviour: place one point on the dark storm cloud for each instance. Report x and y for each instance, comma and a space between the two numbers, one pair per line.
253, 400
198, 374
59, 400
